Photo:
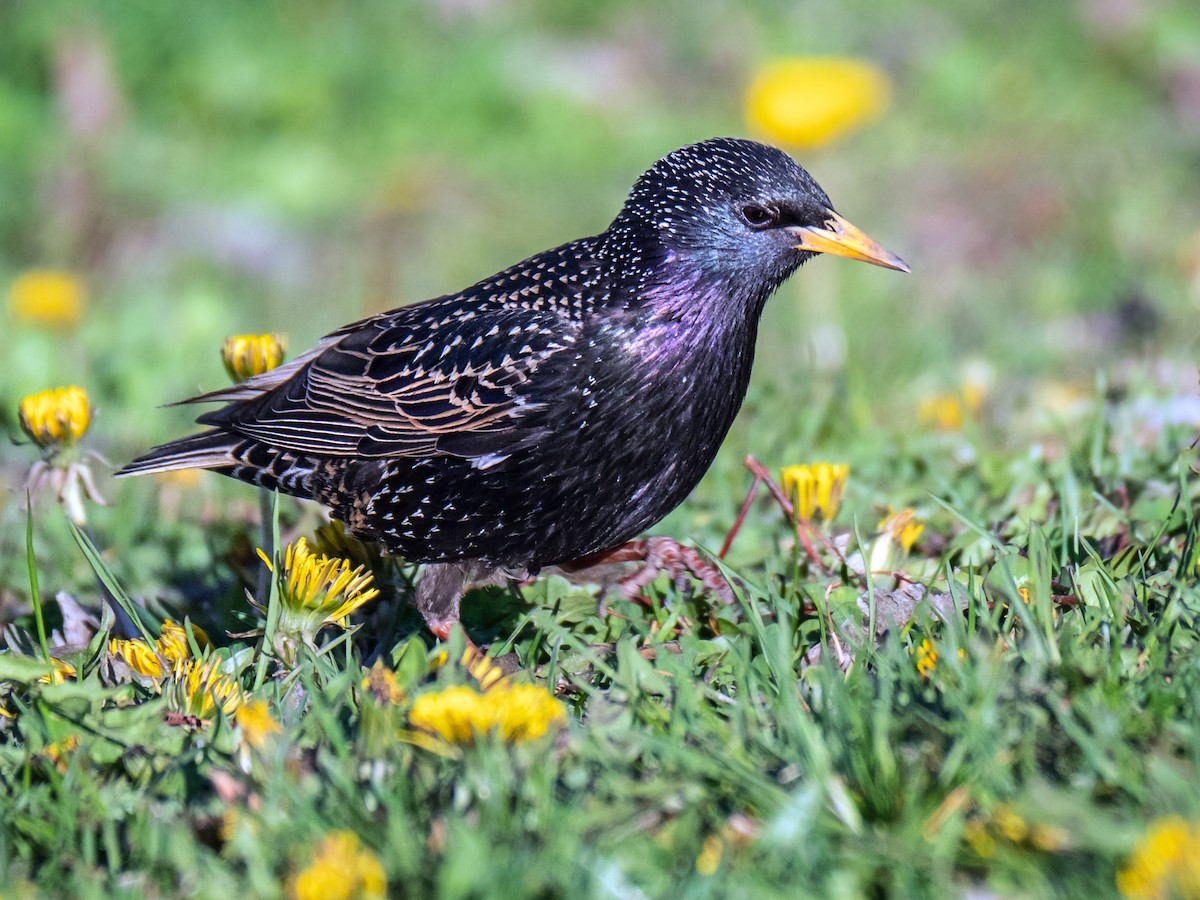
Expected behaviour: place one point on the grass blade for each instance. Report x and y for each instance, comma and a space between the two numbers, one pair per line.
35, 596
104, 573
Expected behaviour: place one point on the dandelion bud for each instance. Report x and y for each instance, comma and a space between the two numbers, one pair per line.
56, 418
898, 532
247, 355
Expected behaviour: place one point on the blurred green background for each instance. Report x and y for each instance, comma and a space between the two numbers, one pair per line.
213, 168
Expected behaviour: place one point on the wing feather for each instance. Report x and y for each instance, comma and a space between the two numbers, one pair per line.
460, 375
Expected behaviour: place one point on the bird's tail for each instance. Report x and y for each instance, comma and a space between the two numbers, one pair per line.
207, 450
233, 455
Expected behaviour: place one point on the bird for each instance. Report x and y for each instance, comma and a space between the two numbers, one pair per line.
554, 411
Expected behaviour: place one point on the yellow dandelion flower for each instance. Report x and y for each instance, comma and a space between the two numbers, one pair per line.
322, 585
980, 840
709, 859
1010, 825
255, 723
46, 297
483, 669
948, 412
56, 418
154, 662
942, 411
927, 657
246, 355
898, 531
902, 527
173, 644
456, 714
815, 488
316, 591
340, 869
1165, 863
139, 656
525, 712
62, 671
515, 713
198, 688
381, 683
808, 102
58, 752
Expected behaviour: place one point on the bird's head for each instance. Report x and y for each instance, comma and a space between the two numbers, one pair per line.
742, 212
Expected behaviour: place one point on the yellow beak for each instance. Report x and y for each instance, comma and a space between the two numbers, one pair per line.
840, 238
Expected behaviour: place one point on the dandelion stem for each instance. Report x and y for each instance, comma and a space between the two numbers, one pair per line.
266, 510
269, 503
759, 471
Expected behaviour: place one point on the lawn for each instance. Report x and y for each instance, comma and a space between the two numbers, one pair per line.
974, 673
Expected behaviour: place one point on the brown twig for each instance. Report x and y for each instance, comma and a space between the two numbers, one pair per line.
741, 516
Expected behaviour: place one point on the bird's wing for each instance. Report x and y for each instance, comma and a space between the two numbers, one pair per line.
257, 385
444, 377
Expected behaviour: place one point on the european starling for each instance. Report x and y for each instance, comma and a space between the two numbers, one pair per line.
554, 410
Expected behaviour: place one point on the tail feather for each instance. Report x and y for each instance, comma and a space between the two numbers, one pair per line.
208, 450
234, 455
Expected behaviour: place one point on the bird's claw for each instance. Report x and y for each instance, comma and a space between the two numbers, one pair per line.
653, 556
681, 563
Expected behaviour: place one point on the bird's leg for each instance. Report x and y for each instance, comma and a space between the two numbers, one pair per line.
656, 554
664, 554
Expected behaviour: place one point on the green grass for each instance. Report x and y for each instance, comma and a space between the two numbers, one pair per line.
299, 164
1073, 712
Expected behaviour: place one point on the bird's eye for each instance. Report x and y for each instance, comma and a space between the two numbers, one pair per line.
758, 216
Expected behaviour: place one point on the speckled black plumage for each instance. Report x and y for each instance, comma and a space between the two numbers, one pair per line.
554, 410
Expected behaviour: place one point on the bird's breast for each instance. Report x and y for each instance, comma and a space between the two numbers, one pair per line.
648, 417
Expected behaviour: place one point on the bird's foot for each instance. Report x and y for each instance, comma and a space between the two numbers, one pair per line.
655, 555
680, 562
